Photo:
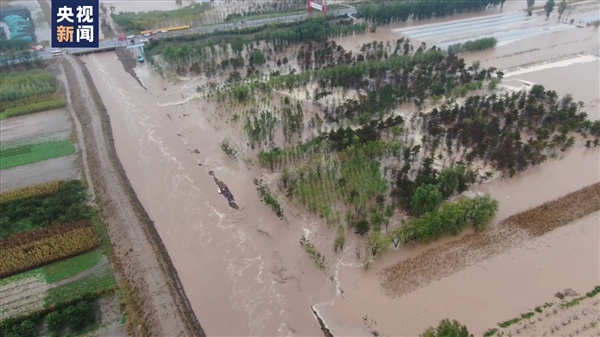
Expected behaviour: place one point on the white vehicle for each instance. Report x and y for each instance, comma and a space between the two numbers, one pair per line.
146, 35
144, 40
163, 31
56, 52
131, 37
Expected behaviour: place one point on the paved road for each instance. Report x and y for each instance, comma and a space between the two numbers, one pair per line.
111, 43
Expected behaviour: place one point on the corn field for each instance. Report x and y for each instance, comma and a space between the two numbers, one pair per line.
17, 86
51, 96
27, 250
29, 191
34, 107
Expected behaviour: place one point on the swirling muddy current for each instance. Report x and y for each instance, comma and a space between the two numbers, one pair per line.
242, 269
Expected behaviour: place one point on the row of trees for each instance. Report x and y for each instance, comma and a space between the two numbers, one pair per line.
392, 81
400, 11
473, 45
189, 15
490, 128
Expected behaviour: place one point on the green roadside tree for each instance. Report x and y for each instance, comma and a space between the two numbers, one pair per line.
426, 198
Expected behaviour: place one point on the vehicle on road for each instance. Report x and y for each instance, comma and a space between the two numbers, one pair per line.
56, 52
122, 37
39, 47
140, 58
130, 37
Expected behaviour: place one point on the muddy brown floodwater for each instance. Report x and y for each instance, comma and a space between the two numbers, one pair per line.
528, 275
239, 280
244, 271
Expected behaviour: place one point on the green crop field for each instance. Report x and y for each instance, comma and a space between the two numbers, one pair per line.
70, 267
75, 290
12, 156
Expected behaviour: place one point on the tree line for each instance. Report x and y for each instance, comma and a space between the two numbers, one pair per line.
200, 55
189, 15
473, 45
400, 11
400, 76
490, 128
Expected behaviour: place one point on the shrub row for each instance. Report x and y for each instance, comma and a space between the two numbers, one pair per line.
268, 198
29, 191
449, 219
34, 107
473, 45
73, 314
27, 250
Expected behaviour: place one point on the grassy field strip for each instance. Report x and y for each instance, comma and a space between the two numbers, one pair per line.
71, 291
58, 135
31, 150
64, 269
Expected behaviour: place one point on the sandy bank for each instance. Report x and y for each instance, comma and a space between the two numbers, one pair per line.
161, 307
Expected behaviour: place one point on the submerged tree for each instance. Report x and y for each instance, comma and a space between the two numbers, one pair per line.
447, 328
549, 7
426, 198
562, 7
530, 4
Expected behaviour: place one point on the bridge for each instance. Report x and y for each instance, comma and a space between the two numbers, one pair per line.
112, 44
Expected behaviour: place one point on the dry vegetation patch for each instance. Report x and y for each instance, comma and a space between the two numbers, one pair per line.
29, 191
435, 264
38, 247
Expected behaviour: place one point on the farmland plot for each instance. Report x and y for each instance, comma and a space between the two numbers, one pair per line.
43, 287
61, 168
33, 150
34, 125
23, 295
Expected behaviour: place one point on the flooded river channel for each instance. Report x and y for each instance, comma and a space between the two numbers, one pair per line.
243, 270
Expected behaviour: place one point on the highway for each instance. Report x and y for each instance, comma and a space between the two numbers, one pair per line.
113, 43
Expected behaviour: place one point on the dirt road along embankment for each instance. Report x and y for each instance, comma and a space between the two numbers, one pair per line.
160, 306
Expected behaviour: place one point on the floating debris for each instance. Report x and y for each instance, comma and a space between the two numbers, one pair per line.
224, 190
